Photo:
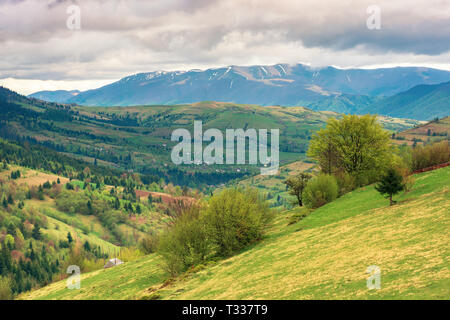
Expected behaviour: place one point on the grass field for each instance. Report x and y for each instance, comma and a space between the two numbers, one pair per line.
31, 177
324, 256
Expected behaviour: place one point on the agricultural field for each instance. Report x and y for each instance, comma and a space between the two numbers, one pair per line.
433, 131
31, 177
322, 256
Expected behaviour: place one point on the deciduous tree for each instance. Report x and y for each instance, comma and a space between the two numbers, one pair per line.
297, 184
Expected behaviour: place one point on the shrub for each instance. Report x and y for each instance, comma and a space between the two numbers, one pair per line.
5, 289
186, 243
129, 254
150, 243
430, 155
237, 219
298, 216
345, 182
320, 190
232, 220
407, 177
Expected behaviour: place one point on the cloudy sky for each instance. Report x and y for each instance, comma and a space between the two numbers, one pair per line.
42, 48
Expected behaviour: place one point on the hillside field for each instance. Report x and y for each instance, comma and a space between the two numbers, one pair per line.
432, 131
323, 256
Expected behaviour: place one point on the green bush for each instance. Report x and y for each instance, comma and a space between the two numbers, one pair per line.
345, 182
430, 155
367, 177
320, 190
237, 218
5, 289
150, 243
231, 221
186, 243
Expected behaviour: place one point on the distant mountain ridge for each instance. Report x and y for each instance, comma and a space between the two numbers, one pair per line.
55, 96
422, 102
328, 88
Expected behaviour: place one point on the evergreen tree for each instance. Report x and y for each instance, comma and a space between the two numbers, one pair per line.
47, 185
5, 203
390, 185
117, 203
87, 246
89, 206
150, 199
36, 233
69, 238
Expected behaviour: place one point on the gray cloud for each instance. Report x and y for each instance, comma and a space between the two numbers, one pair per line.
119, 37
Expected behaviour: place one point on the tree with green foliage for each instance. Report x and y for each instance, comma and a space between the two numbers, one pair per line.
150, 199
354, 144
5, 202
89, 207
15, 174
116, 203
36, 233
87, 246
47, 185
69, 238
10, 199
297, 184
390, 184
9, 241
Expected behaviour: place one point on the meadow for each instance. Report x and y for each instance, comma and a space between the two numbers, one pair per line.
323, 256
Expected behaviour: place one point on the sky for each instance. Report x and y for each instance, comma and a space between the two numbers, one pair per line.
84, 44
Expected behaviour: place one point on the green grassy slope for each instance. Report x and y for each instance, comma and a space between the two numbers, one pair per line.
324, 256
82, 227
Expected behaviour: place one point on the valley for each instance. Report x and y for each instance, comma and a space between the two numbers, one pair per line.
87, 184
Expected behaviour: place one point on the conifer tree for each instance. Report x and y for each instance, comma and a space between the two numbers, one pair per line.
390, 185
69, 238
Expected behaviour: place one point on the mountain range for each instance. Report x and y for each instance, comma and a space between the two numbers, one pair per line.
383, 90
422, 102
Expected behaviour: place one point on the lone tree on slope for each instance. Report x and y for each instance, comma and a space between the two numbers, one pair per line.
390, 184
297, 184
